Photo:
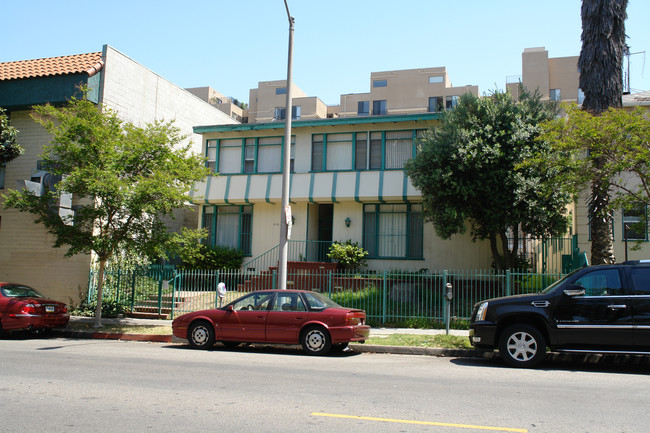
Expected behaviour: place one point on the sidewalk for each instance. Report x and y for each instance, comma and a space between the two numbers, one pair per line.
374, 332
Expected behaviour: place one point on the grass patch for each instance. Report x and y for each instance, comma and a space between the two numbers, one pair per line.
438, 341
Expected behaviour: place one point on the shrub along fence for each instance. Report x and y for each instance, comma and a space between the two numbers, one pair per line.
389, 298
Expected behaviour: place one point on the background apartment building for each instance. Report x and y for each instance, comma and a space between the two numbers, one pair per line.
115, 81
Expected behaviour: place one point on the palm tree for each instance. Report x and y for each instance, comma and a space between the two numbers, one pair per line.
601, 79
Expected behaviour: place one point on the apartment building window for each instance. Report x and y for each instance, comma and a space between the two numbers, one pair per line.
393, 230
399, 148
379, 83
2, 175
331, 152
555, 95
280, 90
379, 107
435, 104
451, 102
281, 112
376, 150
250, 150
250, 155
435, 79
363, 108
269, 155
229, 226
635, 223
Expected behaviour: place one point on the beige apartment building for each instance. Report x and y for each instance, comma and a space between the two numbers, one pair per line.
556, 78
348, 180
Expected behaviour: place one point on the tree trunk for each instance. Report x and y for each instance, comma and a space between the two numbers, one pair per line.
496, 256
100, 289
601, 224
601, 79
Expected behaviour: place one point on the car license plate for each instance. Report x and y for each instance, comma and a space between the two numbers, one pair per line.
49, 308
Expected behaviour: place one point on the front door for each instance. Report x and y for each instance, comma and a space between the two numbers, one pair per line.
325, 218
601, 318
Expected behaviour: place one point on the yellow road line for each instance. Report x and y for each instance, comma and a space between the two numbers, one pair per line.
405, 421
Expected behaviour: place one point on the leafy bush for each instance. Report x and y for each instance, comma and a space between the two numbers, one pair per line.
348, 254
110, 308
215, 257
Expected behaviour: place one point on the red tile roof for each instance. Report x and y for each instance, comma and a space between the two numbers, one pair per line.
89, 63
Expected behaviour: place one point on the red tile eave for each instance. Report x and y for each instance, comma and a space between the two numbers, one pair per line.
89, 63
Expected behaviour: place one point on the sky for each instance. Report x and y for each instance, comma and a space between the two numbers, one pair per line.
231, 45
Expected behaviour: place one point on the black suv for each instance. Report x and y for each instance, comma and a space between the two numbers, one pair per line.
597, 309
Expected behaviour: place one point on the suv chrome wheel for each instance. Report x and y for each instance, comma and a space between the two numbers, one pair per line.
522, 346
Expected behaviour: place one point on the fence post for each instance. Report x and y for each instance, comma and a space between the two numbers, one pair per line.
160, 288
329, 284
384, 296
135, 274
508, 282
91, 284
447, 310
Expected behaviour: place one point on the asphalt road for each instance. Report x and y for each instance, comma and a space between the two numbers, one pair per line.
60, 385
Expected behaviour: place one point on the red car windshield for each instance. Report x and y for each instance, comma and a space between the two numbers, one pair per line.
17, 291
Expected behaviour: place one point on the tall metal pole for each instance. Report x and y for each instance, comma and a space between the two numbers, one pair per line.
285, 212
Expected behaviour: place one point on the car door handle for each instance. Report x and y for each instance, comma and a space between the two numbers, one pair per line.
617, 307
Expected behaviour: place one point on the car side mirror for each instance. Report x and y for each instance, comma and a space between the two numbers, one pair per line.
574, 290
229, 308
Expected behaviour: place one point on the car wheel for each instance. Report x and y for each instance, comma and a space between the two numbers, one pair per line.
316, 340
522, 346
201, 335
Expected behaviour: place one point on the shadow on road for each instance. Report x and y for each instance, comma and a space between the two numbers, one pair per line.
625, 364
268, 349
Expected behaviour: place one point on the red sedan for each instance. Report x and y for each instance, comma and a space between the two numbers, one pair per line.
23, 308
279, 317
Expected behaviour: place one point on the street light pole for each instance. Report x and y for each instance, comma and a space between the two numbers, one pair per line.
285, 212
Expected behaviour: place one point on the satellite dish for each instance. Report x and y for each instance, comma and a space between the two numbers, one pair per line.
221, 290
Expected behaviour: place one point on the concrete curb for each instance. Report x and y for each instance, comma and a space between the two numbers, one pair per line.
362, 348
115, 336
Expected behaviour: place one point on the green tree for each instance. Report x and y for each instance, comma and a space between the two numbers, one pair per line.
601, 79
125, 178
9, 149
470, 174
614, 145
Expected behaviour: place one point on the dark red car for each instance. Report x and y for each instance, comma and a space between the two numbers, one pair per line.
279, 317
23, 308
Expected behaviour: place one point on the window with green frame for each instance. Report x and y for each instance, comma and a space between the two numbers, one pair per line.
229, 226
393, 230
247, 155
375, 150
635, 223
